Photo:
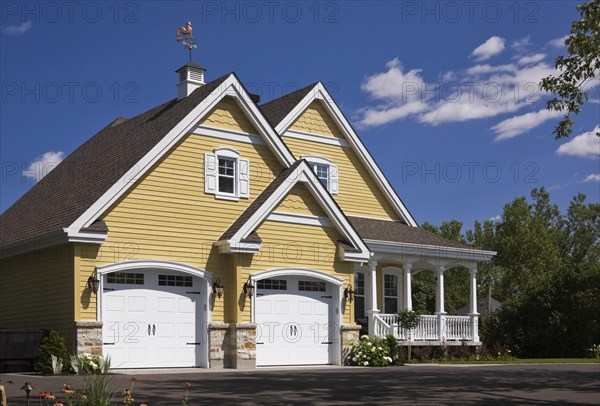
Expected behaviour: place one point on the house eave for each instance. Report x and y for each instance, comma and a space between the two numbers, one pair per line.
436, 251
237, 246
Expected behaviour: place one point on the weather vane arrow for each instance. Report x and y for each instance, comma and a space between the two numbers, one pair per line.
184, 35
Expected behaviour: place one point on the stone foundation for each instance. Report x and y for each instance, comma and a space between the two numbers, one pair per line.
88, 337
232, 345
349, 335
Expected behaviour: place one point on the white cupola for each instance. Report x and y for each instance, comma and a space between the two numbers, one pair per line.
191, 77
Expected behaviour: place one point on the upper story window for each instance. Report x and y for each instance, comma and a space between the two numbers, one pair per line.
326, 171
226, 174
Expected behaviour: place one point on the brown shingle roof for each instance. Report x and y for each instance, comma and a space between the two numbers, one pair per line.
277, 109
393, 231
258, 202
58, 199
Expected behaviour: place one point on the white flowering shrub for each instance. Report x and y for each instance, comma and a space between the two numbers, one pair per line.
371, 352
88, 364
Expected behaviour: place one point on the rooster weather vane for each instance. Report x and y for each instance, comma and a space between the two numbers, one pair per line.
184, 35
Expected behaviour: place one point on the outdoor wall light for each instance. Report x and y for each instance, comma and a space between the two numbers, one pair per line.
349, 293
218, 288
93, 283
248, 288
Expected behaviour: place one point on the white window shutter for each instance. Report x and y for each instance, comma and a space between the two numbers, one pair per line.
333, 179
244, 178
211, 170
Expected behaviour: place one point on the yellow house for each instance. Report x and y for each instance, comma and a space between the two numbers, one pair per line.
211, 231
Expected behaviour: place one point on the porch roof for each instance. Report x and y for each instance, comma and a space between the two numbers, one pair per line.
394, 231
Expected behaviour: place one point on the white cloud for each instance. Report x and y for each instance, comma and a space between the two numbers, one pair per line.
586, 145
558, 42
528, 59
42, 165
592, 177
483, 69
497, 217
489, 48
521, 44
18, 29
513, 126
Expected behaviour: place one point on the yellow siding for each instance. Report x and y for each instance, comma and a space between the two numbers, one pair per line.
358, 194
36, 290
226, 114
300, 201
167, 216
297, 245
316, 120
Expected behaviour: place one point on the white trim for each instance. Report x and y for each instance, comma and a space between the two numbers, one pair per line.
432, 251
85, 236
168, 266
320, 93
397, 272
229, 135
296, 218
278, 272
230, 87
231, 246
316, 159
303, 173
226, 152
316, 138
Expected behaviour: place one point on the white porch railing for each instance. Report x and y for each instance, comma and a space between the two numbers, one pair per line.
454, 328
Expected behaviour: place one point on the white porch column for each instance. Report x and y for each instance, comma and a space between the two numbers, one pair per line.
439, 303
473, 305
408, 287
372, 296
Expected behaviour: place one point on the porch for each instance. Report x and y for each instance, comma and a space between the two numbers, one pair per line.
383, 286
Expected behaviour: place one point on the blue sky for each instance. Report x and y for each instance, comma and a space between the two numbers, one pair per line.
443, 94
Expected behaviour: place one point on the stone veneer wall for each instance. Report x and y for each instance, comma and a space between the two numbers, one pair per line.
349, 335
232, 345
88, 337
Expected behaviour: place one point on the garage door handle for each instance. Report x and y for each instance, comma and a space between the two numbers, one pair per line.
153, 330
149, 329
327, 342
108, 343
193, 343
259, 343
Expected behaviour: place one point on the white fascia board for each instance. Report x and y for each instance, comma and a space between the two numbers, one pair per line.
230, 86
353, 256
236, 246
320, 93
85, 236
229, 135
295, 218
430, 251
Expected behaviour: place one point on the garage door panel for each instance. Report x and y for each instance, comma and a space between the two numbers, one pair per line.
292, 322
151, 324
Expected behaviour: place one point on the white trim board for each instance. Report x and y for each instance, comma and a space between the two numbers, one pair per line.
316, 138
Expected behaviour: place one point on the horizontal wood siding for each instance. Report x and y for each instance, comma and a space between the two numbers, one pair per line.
36, 289
228, 115
296, 245
300, 201
167, 216
316, 120
358, 194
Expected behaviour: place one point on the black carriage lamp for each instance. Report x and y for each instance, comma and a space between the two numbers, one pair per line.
93, 283
349, 293
218, 288
248, 288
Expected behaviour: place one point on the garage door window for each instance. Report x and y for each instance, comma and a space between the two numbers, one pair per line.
125, 278
311, 286
272, 284
175, 280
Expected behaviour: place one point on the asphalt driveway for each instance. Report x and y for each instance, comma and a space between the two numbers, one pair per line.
549, 384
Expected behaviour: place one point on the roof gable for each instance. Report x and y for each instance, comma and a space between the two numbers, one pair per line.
236, 238
320, 94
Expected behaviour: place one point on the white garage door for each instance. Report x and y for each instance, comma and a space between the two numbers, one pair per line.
152, 319
294, 321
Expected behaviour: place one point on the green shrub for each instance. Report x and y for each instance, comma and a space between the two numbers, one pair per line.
53, 344
396, 352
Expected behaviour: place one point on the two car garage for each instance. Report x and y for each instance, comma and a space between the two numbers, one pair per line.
157, 315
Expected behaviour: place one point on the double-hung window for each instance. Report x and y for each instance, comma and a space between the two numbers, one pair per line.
326, 171
226, 174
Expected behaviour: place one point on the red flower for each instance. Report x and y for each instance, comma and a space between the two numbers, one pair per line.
187, 384
44, 394
132, 379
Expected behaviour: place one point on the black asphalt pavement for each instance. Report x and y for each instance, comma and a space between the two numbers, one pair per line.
548, 384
